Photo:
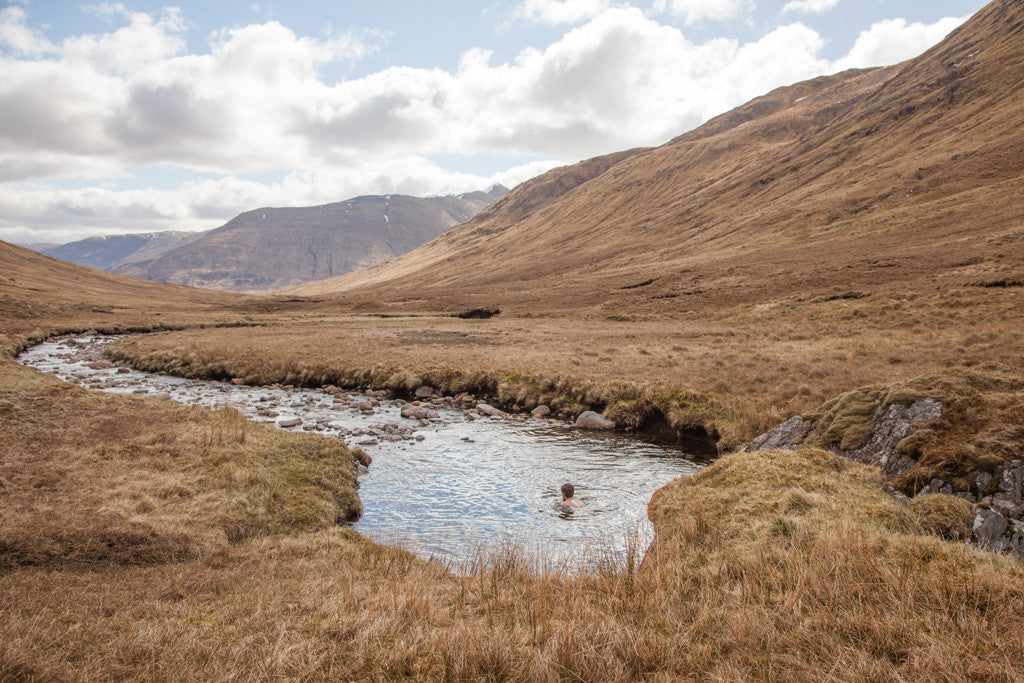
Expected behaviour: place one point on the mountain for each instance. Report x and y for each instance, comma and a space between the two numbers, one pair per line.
276, 247
899, 178
113, 251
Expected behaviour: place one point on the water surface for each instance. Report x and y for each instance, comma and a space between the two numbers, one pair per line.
452, 489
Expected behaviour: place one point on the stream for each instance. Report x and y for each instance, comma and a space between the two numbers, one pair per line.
456, 485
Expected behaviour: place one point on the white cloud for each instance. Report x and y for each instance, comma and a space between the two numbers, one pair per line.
560, 11
256, 100
695, 11
894, 40
810, 6
20, 38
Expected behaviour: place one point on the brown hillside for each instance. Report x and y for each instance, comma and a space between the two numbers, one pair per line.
41, 295
902, 178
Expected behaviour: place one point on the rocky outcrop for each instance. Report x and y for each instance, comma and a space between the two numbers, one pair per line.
889, 425
998, 495
788, 436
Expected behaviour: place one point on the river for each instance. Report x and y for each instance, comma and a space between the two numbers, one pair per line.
454, 489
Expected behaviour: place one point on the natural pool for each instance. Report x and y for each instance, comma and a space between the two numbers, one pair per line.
454, 488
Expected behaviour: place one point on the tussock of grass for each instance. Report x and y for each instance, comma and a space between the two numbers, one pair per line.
815, 572
941, 515
92, 479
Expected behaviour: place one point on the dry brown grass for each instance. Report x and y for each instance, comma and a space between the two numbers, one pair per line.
767, 565
735, 371
89, 479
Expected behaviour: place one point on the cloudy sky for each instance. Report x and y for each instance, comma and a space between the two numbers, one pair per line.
139, 116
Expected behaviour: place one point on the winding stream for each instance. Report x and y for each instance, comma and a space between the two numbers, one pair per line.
456, 486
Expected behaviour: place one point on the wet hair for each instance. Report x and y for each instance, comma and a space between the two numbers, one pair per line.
568, 490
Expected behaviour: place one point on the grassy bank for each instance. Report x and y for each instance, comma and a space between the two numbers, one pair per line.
732, 372
90, 479
767, 565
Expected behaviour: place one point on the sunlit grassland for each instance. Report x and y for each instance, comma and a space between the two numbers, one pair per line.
147, 540
734, 372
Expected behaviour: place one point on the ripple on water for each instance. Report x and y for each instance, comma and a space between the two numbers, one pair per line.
469, 488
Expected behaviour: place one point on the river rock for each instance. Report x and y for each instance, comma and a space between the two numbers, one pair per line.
591, 420
540, 411
290, 422
487, 409
989, 525
427, 392
418, 412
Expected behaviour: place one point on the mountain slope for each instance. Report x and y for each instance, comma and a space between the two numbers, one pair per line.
901, 177
111, 251
277, 247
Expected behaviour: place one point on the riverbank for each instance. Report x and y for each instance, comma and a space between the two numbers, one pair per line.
767, 564
729, 374
439, 485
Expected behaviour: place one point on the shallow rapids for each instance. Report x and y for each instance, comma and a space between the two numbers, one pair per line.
452, 487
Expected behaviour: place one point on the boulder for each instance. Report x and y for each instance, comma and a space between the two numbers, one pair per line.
541, 411
979, 480
790, 434
988, 526
290, 422
591, 420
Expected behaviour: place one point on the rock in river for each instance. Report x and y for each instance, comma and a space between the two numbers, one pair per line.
591, 420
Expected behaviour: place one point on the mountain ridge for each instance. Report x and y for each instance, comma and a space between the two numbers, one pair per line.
272, 247
813, 173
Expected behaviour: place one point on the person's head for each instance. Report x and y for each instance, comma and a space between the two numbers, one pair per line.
568, 490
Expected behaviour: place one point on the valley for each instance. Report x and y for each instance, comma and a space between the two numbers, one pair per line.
832, 257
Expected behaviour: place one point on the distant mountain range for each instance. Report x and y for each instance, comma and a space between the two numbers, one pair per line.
269, 248
112, 251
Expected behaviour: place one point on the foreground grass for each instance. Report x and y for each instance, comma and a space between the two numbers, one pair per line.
768, 565
93, 479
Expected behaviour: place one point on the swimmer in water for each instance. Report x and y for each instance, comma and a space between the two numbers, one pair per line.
568, 502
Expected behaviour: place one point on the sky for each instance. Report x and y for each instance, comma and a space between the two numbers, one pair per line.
143, 116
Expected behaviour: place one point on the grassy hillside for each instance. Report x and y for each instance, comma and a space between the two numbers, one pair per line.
895, 180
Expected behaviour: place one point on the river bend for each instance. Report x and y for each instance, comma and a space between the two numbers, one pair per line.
452, 487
